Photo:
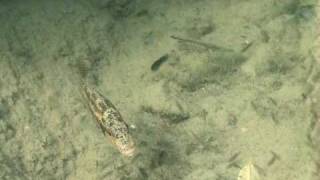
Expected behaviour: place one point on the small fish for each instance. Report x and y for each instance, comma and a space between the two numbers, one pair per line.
110, 121
156, 65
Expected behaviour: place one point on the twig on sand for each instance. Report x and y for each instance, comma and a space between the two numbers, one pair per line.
206, 45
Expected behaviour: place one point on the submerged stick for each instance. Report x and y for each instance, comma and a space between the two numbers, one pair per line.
206, 45
234, 157
275, 157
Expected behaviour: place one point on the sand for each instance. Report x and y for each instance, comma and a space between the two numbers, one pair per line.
240, 84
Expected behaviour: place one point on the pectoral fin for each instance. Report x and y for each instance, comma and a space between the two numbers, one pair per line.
103, 129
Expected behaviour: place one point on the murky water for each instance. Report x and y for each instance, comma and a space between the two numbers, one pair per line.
208, 89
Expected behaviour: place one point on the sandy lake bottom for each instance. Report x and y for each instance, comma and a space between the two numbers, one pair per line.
206, 87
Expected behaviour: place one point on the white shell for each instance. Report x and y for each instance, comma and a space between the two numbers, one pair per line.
249, 172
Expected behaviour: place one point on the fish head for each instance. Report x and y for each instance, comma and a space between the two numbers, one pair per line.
125, 144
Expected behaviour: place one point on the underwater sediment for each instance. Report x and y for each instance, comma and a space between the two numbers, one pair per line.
205, 87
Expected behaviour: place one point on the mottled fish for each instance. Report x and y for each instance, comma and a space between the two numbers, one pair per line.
110, 121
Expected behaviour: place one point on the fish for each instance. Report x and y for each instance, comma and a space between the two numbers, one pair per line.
110, 121
156, 65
